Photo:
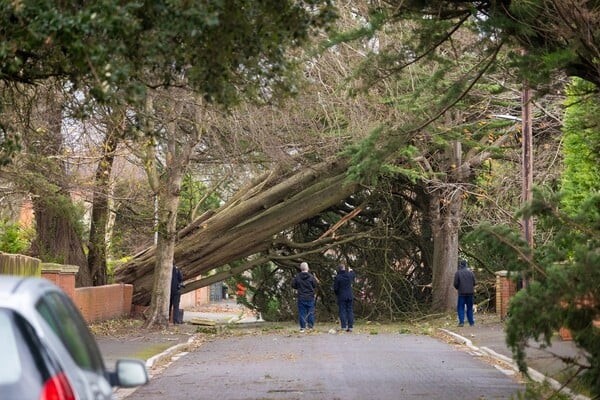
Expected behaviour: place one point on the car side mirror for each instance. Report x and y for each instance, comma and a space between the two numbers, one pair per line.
129, 373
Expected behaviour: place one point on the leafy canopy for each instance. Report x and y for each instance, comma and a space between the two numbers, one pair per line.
220, 48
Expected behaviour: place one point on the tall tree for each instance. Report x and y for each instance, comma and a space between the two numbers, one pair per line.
225, 50
442, 85
101, 194
285, 139
175, 121
43, 173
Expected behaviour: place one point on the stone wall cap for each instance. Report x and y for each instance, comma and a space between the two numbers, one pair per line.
502, 273
59, 268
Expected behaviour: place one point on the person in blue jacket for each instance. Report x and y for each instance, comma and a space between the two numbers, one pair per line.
305, 283
464, 283
342, 287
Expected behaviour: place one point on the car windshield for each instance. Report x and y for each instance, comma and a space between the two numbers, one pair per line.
66, 321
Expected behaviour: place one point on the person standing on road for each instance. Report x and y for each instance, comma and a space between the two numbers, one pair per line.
176, 285
342, 287
464, 283
305, 283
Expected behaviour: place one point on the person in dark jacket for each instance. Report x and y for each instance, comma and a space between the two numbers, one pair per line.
342, 287
176, 285
464, 283
305, 283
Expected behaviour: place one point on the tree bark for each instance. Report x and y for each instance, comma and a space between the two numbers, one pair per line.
246, 224
446, 211
167, 216
100, 213
57, 238
446, 219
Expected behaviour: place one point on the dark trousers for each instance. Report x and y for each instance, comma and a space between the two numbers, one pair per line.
465, 301
306, 313
346, 314
174, 308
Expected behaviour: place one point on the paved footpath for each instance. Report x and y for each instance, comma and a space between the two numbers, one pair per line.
320, 365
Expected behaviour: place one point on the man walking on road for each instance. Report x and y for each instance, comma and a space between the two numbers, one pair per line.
305, 283
464, 283
342, 287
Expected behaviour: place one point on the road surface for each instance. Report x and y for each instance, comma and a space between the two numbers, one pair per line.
319, 365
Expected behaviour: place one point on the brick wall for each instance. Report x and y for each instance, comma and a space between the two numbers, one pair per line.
62, 275
100, 303
505, 289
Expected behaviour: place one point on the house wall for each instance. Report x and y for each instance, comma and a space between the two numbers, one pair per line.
195, 298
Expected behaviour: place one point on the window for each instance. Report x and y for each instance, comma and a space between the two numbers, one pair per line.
68, 324
11, 366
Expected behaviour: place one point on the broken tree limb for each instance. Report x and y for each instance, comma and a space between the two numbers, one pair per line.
247, 225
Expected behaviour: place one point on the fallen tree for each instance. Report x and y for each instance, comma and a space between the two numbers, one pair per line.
246, 224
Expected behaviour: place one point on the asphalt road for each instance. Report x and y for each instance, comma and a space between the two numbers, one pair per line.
329, 366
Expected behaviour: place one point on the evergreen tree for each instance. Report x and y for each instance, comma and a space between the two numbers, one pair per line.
581, 177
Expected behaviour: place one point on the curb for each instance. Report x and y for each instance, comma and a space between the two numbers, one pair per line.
171, 354
534, 374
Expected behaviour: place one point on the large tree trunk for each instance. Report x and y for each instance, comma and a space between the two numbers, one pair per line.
158, 313
58, 237
446, 218
167, 186
100, 212
246, 224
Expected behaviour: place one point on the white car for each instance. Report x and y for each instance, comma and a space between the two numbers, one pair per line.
47, 350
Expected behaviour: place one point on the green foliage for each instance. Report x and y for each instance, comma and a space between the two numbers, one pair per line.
113, 41
9, 144
565, 289
223, 49
581, 176
271, 310
268, 291
376, 18
192, 193
367, 157
13, 239
61, 206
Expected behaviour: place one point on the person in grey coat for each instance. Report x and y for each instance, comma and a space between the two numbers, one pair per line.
464, 283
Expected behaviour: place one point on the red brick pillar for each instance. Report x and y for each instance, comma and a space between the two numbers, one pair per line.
505, 289
62, 275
